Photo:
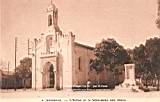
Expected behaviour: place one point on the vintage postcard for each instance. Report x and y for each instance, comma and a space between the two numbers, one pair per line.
79, 50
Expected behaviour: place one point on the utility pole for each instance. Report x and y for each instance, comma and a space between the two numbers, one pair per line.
35, 45
28, 48
15, 84
8, 76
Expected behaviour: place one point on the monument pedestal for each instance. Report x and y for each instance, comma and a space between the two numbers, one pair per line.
129, 80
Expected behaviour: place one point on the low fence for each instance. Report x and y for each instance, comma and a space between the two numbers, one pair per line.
10, 82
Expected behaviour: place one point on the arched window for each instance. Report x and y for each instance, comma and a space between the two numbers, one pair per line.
48, 43
49, 20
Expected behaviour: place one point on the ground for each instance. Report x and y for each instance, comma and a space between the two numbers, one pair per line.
116, 95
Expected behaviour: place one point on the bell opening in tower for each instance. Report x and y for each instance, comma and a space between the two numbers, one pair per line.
49, 20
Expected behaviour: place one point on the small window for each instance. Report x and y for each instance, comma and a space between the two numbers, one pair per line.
49, 20
79, 63
48, 43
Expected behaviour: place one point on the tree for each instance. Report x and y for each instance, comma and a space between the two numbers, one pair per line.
147, 57
24, 69
109, 53
158, 26
153, 52
139, 57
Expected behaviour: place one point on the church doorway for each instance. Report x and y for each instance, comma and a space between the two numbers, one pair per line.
48, 76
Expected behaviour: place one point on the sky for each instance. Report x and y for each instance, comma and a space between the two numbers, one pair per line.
129, 22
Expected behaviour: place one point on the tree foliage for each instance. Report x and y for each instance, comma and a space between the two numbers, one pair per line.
24, 69
153, 54
147, 57
109, 52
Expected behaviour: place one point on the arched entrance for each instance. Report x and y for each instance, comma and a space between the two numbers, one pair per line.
48, 77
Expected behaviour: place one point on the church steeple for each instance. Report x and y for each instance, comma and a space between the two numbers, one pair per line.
52, 13
51, 2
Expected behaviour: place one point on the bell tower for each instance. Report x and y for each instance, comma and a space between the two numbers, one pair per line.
52, 13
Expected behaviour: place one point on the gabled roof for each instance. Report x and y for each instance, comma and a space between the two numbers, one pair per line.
84, 46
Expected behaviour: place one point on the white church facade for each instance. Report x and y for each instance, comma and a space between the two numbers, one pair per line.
59, 61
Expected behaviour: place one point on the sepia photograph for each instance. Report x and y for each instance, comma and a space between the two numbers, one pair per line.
79, 50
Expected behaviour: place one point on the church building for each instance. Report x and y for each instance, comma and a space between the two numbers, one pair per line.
59, 61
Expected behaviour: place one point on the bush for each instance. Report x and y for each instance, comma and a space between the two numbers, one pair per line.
111, 84
146, 89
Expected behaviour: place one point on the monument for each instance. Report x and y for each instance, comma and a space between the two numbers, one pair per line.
129, 75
